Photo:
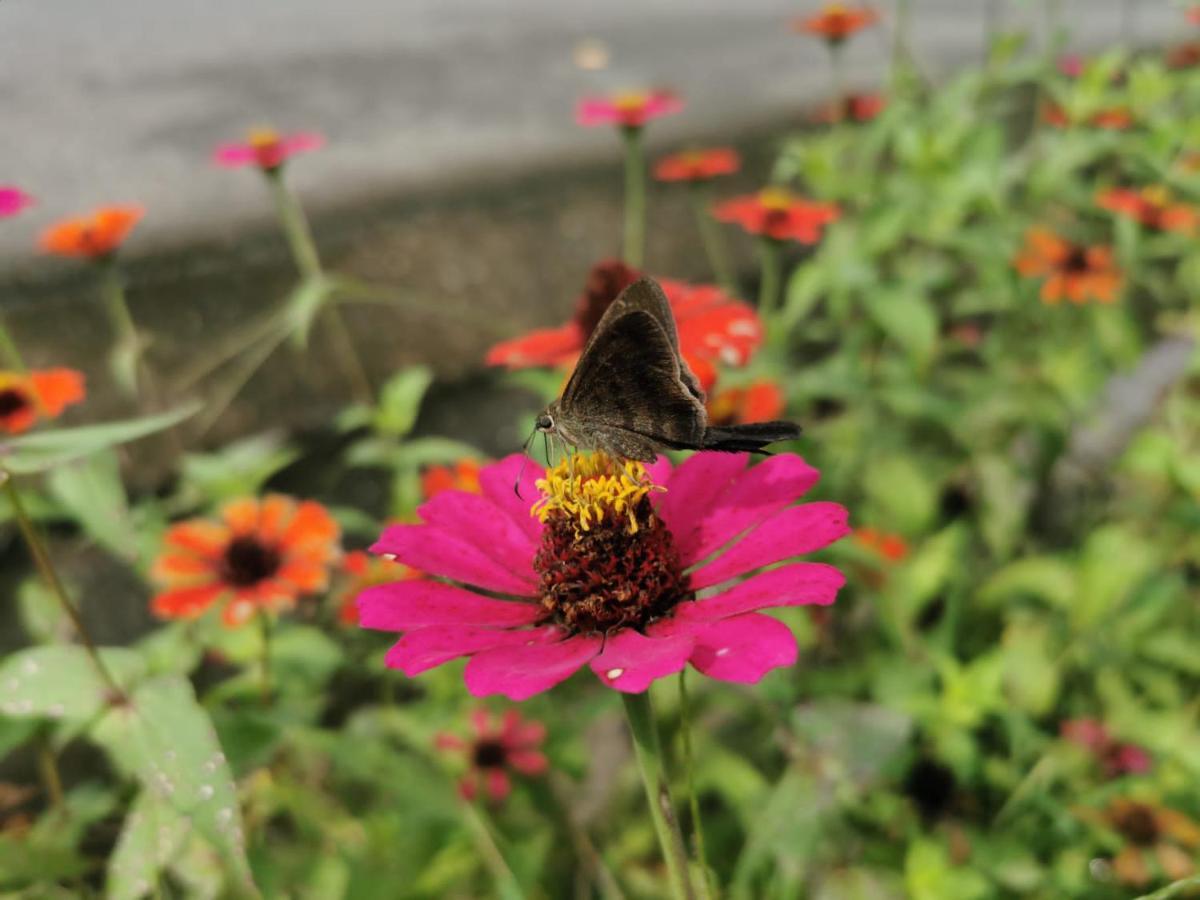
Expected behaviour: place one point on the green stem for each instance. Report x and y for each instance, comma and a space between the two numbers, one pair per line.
1174, 889
648, 749
507, 886
41, 560
635, 198
900, 42
710, 236
771, 259
125, 358
685, 720
264, 624
48, 770
343, 346
9, 353
837, 73
295, 226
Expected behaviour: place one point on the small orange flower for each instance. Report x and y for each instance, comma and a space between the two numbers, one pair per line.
1155, 838
262, 555
1184, 56
93, 236
890, 547
39, 395
836, 22
462, 476
1115, 118
779, 214
760, 401
1193, 15
1071, 271
362, 571
1153, 207
852, 108
698, 165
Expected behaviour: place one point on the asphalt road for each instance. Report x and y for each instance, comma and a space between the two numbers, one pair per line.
122, 100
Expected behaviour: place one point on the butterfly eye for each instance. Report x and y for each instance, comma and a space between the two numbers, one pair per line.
545, 423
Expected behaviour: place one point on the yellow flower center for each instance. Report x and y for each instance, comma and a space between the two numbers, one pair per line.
775, 198
263, 137
1156, 195
590, 487
629, 100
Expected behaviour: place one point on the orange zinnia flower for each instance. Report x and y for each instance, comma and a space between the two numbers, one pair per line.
760, 401
891, 547
461, 476
1155, 837
39, 395
778, 214
1072, 272
1152, 206
836, 22
93, 236
698, 165
262, 555
1184, 56
1115, 118
362, 571
852, 108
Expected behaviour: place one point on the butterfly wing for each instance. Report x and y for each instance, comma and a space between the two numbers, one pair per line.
629, 380
646, 296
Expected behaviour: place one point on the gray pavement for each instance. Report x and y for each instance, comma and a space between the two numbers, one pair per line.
122, 100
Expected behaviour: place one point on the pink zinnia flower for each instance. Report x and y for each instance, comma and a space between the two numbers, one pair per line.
628, 109
13, 200
1115, 757
267, 149
499, 745
632, 570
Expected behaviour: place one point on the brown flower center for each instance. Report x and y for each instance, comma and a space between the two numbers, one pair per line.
248, 561
1139, 825
1076, 262
489, 754
13, 401
605, 578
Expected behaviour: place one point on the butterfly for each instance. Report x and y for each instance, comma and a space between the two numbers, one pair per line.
633, 396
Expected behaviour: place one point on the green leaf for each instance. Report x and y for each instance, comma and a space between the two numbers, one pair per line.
904, 496
153, 833
400, 400
91, 490
237, 469
43, 450
905, 317
60, 682
1046, 577
302, 306
166, 739
1031, 678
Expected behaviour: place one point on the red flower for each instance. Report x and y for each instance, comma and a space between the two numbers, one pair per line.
712, 326
93, 236
267, 149
13, 200
628, 109
1184, 56
759, 401
38, 395
778, 214
362, 571
1152, 207
852, 108
461, 476
890, 547
836, 22
1115, 757
1071, 271
262, 555
500, 746
698, 165
1193, 15
1115, 118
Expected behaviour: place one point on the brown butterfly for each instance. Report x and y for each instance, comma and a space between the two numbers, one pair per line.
633, 396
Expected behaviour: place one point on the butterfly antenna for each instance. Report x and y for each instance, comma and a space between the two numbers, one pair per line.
524, 460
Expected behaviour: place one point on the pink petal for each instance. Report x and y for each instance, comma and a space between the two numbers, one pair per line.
444, 740
520, 671
497, 482
497, 783
456, 556
662, 103
233, 156
13, 200
659, 470
694, 488
518, 733
528, 762
799, 584
630, 661
497, 535
793, 532
301, 142
481, 721
743, 649
417, 603
595, 111
426, 648
754, 496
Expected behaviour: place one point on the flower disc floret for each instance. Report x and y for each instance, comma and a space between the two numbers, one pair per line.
591, 488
